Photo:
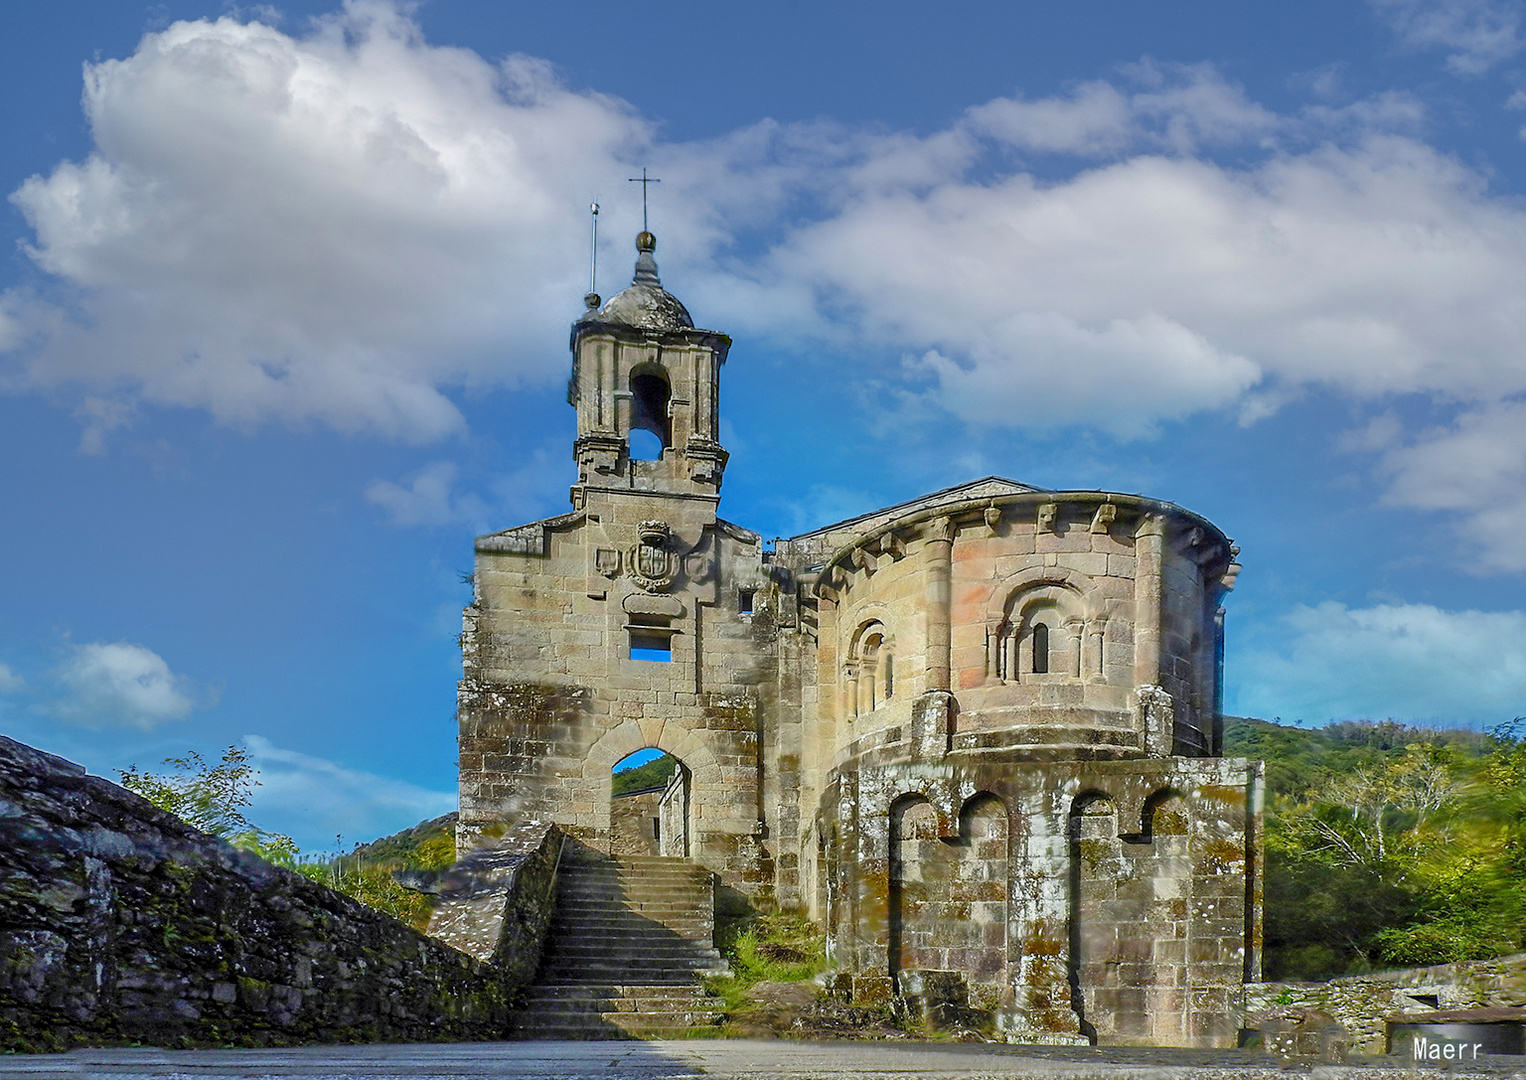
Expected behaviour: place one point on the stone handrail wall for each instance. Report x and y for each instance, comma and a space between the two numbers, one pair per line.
1361, 1004
121, 923
496, 903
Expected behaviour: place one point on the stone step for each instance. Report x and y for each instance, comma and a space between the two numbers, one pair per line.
628, 941
650, 972
674, 905
603, 938
624, 916
630, 1023
688, 876
602, 1034
614, 992
639, 873
621, 951
631, 884
593, 891
583, 976
663, 867
648, 919
626, 922
681, 1015
634, 968
594, 948
600, 1006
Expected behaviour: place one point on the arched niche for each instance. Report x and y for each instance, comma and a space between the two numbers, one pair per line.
870, 668
948, 894
1039, 636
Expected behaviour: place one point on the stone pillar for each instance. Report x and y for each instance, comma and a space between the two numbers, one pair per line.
1097, 631
1038, 906
1149, 551
939, 596
870, 823
932, 714
1076, 629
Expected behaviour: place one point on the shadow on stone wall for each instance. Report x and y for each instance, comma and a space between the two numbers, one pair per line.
121, 923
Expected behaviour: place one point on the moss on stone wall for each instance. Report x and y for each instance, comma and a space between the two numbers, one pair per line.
120, 923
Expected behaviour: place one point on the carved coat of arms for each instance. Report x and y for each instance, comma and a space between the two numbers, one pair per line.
652, 562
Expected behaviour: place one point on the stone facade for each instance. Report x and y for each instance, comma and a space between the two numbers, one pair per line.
976, 734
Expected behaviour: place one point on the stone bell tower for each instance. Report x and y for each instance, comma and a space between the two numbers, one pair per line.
639, 365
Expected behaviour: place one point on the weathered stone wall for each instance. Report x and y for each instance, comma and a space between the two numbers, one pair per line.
553, 697
634, 824
1361, 1004
1126, 901
119, 922
495, 904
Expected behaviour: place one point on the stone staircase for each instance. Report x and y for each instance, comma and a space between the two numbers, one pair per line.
628, 942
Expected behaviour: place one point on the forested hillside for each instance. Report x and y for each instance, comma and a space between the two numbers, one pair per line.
1388, 845
651, 774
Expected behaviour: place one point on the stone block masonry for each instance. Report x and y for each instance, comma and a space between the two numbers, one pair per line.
120, 923
1360, 1005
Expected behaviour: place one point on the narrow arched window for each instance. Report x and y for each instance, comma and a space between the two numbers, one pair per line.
870, 658
1040, 649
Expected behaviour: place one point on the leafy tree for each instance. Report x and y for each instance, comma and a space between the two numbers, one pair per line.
1389, 845
212, 798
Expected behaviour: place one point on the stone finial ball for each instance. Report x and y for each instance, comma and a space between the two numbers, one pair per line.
645, 241
592, 300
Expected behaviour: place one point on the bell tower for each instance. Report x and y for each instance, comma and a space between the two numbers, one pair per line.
646, 386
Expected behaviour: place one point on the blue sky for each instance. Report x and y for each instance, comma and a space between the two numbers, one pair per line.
284, 306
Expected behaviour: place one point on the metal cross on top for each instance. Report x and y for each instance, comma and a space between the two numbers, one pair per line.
643, 180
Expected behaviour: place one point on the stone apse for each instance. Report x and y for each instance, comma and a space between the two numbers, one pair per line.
976, 735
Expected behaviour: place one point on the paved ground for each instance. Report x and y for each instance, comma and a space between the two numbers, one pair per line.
730, 1059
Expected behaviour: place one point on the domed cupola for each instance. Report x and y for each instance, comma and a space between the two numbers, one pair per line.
646, 305
646, 385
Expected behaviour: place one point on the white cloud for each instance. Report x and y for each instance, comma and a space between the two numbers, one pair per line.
1475, 34
1180, 108
313, 799
1476, 471
118, 684
424, 497
345, 227
1410, 662
10, 682
428, 496
1154, 287
326, 228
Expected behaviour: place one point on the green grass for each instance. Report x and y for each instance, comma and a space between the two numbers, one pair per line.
781, 947
784, 947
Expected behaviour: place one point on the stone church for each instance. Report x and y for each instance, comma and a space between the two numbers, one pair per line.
976, 735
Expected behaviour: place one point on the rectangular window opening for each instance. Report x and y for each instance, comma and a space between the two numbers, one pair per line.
744, 601
652, 646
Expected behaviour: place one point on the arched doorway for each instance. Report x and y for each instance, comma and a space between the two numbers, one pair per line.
649, 805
